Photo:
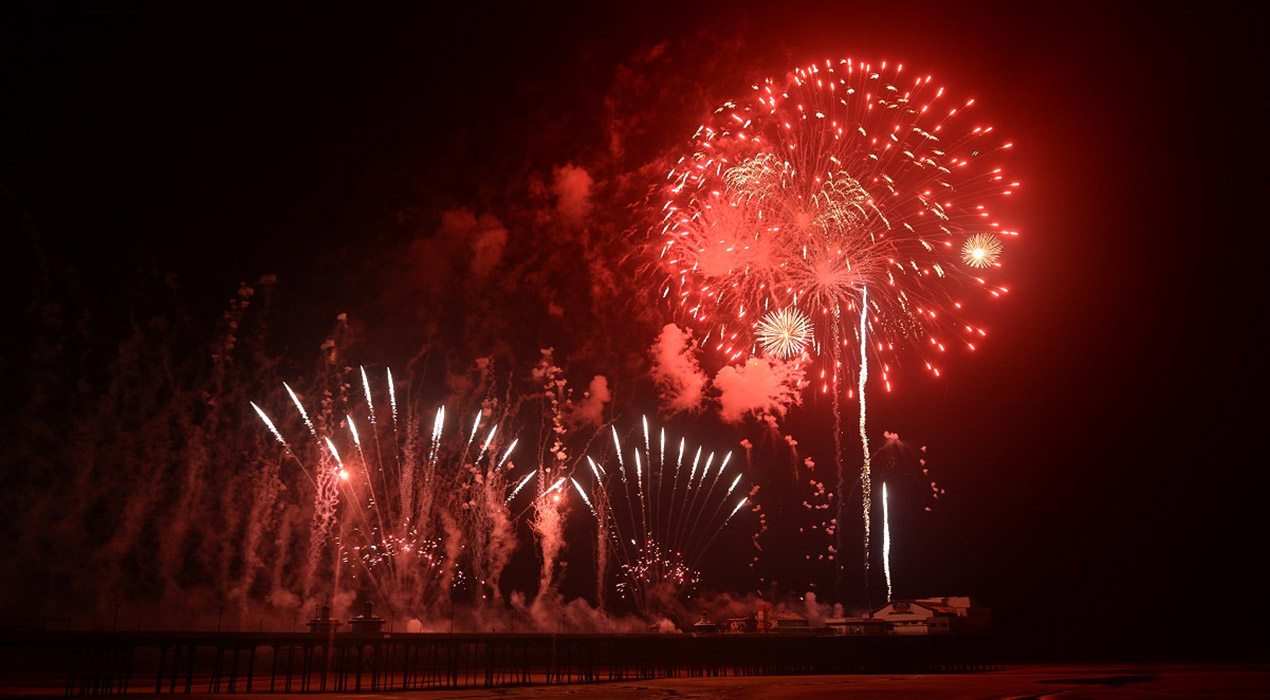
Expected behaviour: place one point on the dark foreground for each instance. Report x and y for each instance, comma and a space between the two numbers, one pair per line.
84, 663
1176, 682
1065, 682
577, 666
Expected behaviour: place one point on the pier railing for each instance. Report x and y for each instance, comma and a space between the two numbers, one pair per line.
116, 663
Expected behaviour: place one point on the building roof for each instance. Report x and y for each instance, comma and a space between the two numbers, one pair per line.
933, 607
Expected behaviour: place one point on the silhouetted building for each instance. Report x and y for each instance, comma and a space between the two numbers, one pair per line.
856, 626
323, 624
789, 624
740, 625
366, 623
947, 615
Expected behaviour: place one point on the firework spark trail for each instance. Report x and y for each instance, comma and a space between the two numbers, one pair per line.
674, 484
585, 499
485, 445
661, 464
437, 425
536, 499
325, 499
722, 501
519, 486
651, 503
724, 524
370, 482
690, 494
392, 397
352, 429
270, 425
405, 477
643, 502
370, 405
692, 474
374, 426
866, 472
285, 447
657, 478
656, 541
886, 542
692, 504
503, 460
300, 407
391, 539
606, 497
611, 526
840, 493
595, 469
361, 455
631, 512
385, 477
607, 526
617, 446
476, 424
335, 453
696, 522
553, 487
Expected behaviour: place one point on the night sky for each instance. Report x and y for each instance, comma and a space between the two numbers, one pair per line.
1101, 452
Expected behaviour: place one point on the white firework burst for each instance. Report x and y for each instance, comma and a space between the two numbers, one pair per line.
981, 250
784, 333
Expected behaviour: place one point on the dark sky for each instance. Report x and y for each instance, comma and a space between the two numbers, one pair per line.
1103, 446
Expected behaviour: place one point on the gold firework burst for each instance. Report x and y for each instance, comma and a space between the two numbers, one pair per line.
784, 333
981, 250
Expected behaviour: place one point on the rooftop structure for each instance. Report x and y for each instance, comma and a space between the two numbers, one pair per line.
944, 615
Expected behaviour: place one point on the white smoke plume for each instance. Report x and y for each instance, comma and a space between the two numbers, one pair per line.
463, 235
680, 382
763, 387
590, 410
572, 187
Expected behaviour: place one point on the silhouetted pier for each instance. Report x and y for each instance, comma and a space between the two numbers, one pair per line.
115, 663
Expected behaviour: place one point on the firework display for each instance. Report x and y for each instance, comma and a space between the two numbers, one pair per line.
414, 508
662, 507
846, 176
808, 239
849, 191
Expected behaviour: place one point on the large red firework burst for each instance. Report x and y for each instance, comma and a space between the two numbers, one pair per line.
843, 177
